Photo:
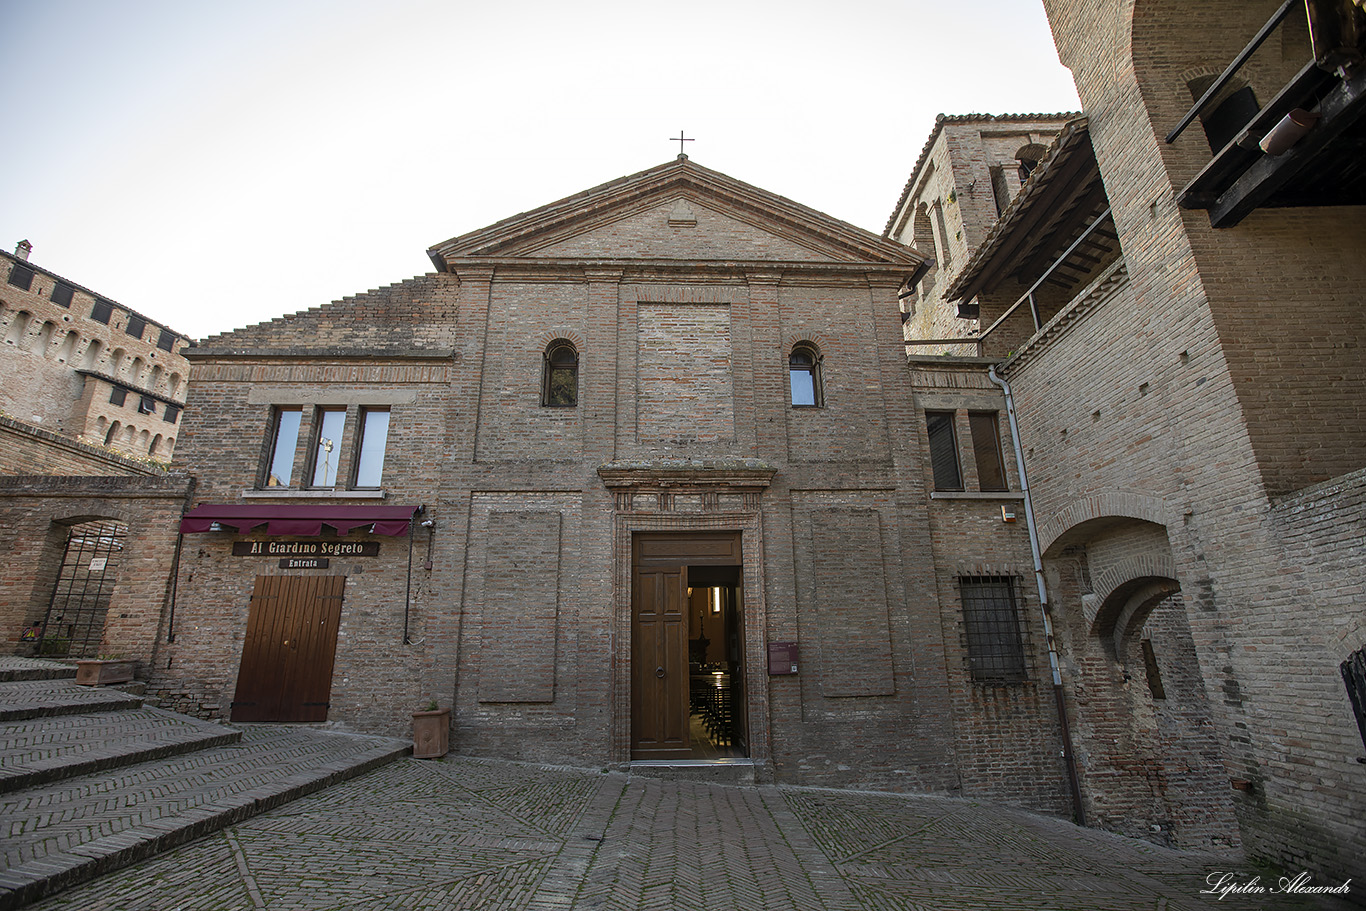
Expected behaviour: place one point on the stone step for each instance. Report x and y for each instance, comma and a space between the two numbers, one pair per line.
62, 833
15, 668
23, 699
39, 750
711, 771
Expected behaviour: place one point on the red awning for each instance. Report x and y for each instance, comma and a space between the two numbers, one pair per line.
298, 518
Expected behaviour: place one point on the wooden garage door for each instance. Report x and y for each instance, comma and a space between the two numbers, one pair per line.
286, 672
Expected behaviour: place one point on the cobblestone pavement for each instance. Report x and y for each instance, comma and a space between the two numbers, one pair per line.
464, 833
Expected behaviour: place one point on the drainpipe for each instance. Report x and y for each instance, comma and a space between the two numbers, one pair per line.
1068, 756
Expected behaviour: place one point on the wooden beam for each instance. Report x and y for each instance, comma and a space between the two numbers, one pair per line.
1340, 110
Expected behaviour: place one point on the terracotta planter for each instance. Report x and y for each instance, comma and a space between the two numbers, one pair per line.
431, 734
102, 671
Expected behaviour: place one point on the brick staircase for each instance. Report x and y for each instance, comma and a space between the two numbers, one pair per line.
91, 779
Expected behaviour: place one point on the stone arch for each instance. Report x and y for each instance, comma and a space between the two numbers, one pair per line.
135, 369
1063, 526
154, 380
1126, 607
111, 436
116, 357
173, 383
155, 448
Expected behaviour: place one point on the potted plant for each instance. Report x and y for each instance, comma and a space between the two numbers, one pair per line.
431, 732
105, 670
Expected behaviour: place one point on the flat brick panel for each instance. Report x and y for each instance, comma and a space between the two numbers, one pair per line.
521, 607
684, 377
852, 634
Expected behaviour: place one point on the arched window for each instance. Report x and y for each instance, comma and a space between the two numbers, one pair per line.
560, 375
804, 373
1028, 156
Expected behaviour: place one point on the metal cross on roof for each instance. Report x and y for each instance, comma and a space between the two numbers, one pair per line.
680, 140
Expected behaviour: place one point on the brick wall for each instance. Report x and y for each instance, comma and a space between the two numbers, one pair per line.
35, 516
1221, 405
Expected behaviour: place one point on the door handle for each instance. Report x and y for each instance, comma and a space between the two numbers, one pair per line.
659, 672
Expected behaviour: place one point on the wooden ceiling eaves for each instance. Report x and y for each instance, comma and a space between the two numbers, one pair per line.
1061, 190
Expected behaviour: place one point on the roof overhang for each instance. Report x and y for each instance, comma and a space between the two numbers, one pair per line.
1062, 198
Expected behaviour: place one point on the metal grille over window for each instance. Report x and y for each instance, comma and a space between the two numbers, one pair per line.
992, 624
74, 624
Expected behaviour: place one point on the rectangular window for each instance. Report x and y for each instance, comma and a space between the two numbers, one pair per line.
62, 294
374, 435
943, 451
171, 414
148, 405
284, 441
21, 276
136, 326
329, 424
992, 624
118, 395
166, 341
986, 449
101, 312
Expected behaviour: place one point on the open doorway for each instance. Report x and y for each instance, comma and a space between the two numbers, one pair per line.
716, 724
687, 681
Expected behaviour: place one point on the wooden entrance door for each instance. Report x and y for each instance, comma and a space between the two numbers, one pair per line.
659, 659
286, 671
659, 636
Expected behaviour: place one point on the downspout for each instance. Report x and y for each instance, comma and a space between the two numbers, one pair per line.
1068, 755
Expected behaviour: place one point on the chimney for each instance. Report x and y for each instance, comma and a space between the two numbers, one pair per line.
22, 250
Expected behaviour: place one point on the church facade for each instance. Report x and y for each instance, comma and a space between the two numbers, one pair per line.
638, 476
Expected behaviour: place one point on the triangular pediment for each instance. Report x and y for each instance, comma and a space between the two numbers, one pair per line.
676, 212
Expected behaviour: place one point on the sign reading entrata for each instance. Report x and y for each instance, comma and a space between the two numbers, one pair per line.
304, 562
305, 548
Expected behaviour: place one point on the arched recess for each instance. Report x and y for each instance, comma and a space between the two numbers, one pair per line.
1125, 610
1143, 717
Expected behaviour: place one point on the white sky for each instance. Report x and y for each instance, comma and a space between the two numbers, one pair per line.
216, 164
